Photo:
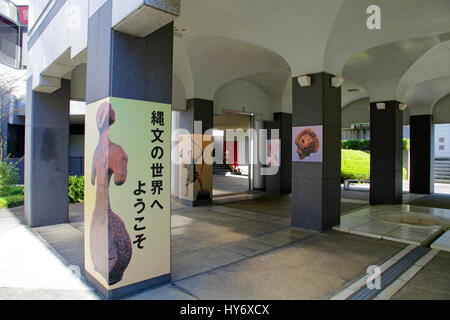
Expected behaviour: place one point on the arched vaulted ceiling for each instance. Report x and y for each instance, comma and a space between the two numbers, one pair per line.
218, 60
267, 42
400, 20
381, 68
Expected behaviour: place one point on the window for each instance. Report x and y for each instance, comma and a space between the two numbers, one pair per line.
16, 140
9, 40
441, 139
441, 147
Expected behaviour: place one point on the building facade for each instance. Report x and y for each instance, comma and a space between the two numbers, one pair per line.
153, 74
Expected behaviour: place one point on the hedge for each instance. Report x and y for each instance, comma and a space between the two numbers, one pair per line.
14, 197
76, 189
12, 201
364, 145
356, 165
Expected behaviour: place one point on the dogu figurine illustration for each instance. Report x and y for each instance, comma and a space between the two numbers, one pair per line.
307, 143
110, 244
273, 153
191, 154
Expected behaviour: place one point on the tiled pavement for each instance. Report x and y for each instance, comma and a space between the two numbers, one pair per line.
402, 223
218, 252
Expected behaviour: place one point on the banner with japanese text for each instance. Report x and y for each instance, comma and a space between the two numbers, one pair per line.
127, 191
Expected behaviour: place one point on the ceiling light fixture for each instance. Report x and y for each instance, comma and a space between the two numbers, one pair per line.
381, 106
336, 82
304, 81
402, 106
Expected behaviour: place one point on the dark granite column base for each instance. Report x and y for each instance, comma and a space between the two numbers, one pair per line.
128, 290
386, 155
196, 203
259, 189
422, 155
316, 186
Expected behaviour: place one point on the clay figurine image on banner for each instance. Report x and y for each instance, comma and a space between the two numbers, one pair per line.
194, 165
307, 144
273, 153
110, 243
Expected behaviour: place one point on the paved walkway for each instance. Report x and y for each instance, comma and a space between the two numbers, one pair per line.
231, 184
30, 268
219, 252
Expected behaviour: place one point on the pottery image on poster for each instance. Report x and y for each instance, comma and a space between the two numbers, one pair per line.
307, 144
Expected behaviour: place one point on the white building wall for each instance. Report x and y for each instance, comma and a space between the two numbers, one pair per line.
242, 95
66, 33
442, 141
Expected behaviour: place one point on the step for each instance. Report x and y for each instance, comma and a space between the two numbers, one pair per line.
441, 181
442, 176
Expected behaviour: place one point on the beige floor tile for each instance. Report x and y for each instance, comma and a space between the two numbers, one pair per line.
375, 229
410, 273
409, 235
443, 243
343, 295
392, 289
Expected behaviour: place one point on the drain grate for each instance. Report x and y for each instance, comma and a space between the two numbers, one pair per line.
391, 274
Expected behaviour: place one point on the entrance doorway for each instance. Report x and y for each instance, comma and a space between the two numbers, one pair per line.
232, 175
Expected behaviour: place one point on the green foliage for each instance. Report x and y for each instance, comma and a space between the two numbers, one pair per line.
406, 145
76, 189
13, 201
8, 176
14, 198
405, 174
364, 145
355, 165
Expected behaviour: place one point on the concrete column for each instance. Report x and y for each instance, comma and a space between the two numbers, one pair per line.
127, 208
258, 146
386, 144
280, 183
316, 191
174, 185
422, 154
198, 111
47, 156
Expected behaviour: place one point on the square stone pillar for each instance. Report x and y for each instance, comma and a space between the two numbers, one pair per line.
422, 154
47, 156
386, 153
127, 156
316, 154
195, 175
281, 182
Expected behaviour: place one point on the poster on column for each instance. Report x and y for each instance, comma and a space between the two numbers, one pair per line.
127, 191
273, 153
307, 144
195, 174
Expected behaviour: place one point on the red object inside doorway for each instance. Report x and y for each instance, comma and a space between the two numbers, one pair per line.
231, 153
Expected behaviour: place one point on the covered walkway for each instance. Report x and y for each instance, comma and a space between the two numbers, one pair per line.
237, 250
